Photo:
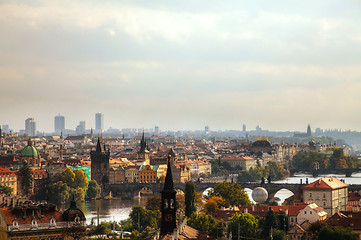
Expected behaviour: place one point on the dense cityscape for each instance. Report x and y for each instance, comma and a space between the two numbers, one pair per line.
189, 184
180, 120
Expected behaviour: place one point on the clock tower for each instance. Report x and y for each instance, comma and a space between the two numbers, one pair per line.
169, 204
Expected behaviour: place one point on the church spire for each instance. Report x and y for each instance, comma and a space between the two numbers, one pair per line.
168, 182
143, 144
169, 204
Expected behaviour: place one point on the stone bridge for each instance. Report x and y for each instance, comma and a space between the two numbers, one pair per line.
131, 190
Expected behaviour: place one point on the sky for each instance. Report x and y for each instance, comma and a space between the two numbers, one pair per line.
181, 64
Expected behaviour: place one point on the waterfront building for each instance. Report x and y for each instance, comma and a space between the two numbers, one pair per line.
30, 127
59, 124
148, 174
329, 193
100, 165
132, 174
116, 175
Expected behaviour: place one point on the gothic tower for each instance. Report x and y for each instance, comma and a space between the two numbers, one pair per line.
100, 165
169, 203
143, 154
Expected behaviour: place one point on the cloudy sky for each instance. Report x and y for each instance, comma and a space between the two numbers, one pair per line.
182, 64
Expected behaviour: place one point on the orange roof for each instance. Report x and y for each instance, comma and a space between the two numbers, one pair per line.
46, 214
4, 171
326, 183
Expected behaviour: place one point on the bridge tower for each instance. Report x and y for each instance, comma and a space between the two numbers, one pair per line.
100, 165
169, 204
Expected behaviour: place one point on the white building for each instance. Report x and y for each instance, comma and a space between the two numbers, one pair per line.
30, 127
329, 193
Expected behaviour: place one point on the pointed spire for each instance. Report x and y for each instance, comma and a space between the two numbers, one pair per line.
143, 144
100, 145
168, 182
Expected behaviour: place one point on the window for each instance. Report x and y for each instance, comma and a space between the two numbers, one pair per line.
324, 195
305, 212
310, 195
310, 212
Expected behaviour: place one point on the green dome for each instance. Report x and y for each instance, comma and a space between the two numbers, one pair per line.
29, 151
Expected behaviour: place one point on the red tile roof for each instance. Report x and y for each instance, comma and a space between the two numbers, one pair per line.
43, 217
326, 183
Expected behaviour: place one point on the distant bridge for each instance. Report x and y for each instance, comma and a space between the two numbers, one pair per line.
347, 171
131, 190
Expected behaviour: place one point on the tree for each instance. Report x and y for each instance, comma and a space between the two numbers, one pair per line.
5, 189
213, 204
93, 190
189, 199
202, 222
278, 234
26, 179
141, 218
67, 176
244, 224
153, 203
233, 194
80, 179
60, 192
335, 233
270, 222
78, 193
210, 206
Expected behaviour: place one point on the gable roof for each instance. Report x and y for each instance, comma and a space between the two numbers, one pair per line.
326, 183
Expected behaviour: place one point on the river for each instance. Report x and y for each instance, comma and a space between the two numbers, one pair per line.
117, 209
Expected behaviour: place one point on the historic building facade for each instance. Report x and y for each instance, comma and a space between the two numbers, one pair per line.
100, 165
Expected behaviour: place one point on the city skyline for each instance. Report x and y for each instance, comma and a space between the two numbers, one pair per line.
181, 65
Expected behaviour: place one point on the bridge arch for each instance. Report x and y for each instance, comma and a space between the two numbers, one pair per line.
282, 193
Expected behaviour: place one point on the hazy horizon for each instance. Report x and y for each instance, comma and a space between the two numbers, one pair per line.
182, 65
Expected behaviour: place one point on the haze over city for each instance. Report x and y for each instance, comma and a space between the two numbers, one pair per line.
181, 65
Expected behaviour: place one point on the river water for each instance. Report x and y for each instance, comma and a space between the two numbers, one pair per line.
117, 209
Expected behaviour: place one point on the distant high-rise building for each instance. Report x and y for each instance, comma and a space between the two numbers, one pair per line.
156, 130
99, 121
244, 128
30, 127
59, 123
206, 129
80, 129
6, 129
309, 133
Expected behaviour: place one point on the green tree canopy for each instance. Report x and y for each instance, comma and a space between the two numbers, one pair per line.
60, 192
142, 218
337, 233
94, 190
80, 179
190, 195
153, 203
243, 224
233, 194
5, 189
